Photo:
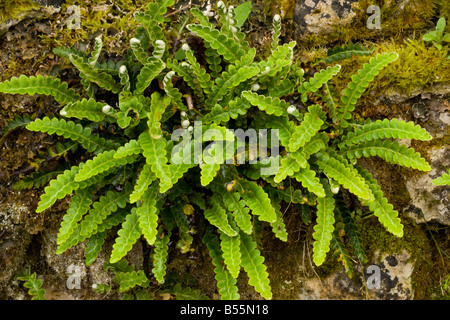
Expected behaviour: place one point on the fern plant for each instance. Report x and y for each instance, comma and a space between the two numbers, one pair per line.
443, 180
145, 180
437, 37
34, 285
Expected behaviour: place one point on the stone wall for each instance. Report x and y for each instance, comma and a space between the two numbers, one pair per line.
409, 268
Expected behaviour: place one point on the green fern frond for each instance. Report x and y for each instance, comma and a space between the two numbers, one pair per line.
311, 124
229, 80
88, 86
160, 254
218, 217
444, 180
279, 60
70, 130
390, 151
85, 109
75, 238
174, 94
330, 98
289, 166
110, 66
289, 195
127, 237
323, 230
201, 76
276, 22
93, 247
92, 74
130, 148
148, 214
253, 263
33, 284
318, 80
285, 128
239, 210
36, 180
58, 188
340, 251
318, 142
181, 160
155, 155
258, 201
151, 25
66, 52
157, 107
124, 79
101, 209
103, 162
310, 181
18, 122
340, 170
131, 279
283, 88
139, 51
49, 86
270, 105
184, 227
158, 9
382, 129
185, 71
79, 205
128, 104
354, 237
95, 54
225, 46
149, 71
208, 172
346, 51
231, 253
234, 109
226, 283
360, 82
145, 179
278, 226
380, 206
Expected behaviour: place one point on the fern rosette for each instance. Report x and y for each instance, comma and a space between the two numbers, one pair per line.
165, 143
